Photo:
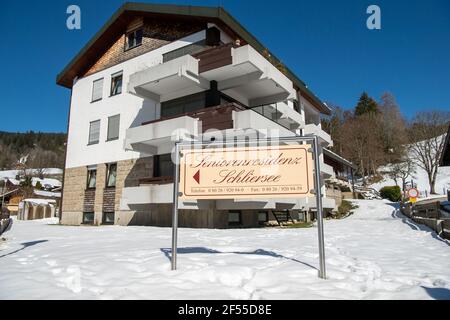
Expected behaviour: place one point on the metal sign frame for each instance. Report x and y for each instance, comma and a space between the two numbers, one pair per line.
248, 142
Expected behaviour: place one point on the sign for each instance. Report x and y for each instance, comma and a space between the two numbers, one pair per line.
247, 172
413, 193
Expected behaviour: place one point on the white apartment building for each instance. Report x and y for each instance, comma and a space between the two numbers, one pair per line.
155, 74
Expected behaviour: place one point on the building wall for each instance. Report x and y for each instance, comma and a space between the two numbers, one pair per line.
132, 109
156, 34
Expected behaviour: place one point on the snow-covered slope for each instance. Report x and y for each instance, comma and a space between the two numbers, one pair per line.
14, 173
374, 254
421, 178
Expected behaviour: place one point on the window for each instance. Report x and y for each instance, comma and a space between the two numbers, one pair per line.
113, 127
108, 218
163, 166
263, 217
134, 39
189, 49
97, 90
234, 218
94, 132
88, 218
111, 173
91, 177
116, 83
183, 105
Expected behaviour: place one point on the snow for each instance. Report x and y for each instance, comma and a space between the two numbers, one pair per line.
47, 182
44, 193
40, 201
421, 178
374, 254
14, 173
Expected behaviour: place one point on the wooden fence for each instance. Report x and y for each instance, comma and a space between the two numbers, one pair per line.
430, 214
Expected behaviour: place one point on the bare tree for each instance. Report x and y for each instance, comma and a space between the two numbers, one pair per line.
427, 134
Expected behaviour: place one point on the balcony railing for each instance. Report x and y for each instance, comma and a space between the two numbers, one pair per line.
278, 112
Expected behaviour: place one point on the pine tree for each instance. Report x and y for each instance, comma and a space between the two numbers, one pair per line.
366, 105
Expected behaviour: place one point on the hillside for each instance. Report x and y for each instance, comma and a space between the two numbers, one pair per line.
37, 149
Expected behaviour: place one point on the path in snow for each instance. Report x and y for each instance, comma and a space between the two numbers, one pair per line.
374, 254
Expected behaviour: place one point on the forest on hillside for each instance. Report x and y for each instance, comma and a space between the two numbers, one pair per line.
34, 149
375, 133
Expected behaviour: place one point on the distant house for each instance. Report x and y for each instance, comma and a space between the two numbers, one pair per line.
445, 158
32, 209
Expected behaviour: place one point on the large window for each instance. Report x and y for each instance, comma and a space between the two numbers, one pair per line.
163, 166
183, 105
111, 174
88, 217
113, 127
116, 83
134, 39
97, 90
234, 218
94, 132
91, 177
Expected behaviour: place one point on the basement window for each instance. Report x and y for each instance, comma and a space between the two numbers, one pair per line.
263, 217
108, 218
88, 218
234, 218
134, 39
116, 83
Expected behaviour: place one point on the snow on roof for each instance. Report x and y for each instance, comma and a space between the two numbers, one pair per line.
14, 173
43, 193
40, 201
47, 181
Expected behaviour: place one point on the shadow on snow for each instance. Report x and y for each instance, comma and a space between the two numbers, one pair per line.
190, 250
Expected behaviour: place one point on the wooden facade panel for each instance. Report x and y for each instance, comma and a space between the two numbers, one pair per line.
89, 200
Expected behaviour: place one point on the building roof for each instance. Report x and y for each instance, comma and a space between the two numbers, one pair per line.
339, 159
117, 23
445, 157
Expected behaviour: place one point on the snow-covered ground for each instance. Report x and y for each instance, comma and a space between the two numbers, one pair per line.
374, 254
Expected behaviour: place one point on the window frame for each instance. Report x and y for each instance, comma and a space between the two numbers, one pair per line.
104, 222
89, 170
113, 76
90, 143
267, 217
157, 166
84, 220
126, 44
93, 84
108, 171
118, 129
233, 223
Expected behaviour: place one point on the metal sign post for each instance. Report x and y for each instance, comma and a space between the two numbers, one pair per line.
265, 142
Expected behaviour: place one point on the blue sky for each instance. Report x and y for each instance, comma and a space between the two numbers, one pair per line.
326, 43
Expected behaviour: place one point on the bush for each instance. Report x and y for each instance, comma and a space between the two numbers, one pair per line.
38, 185
345, 209
392, 193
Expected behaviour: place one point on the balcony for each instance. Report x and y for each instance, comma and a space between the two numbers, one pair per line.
170, 80
282, 114
240, 71
244, 72
316, 130
158, 137
326, 170
146, 194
